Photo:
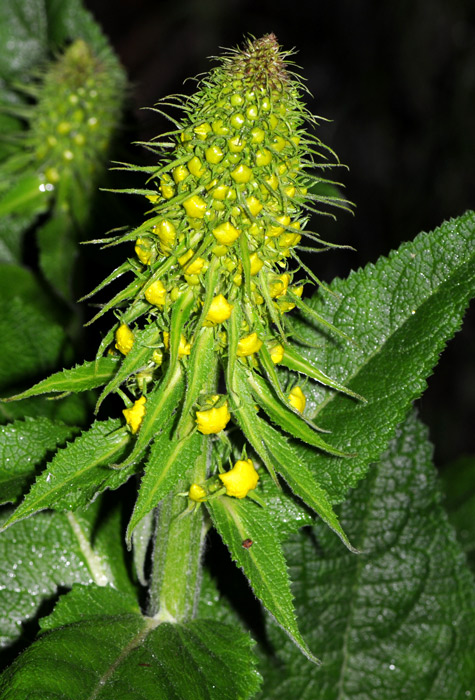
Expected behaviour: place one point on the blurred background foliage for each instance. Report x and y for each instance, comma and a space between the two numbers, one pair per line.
397, 81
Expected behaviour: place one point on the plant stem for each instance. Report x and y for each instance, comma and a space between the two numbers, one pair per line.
178, 542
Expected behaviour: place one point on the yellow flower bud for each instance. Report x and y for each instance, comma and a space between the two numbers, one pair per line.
197, 493
157, 357
226, 233
193, 268
241, 174
214, 155
219, 311
236, 144
278, 286
156, 294
195, 167
124, 339
143, 250
263, 157
276, 353
289, 240
202, 130
254, 205
274, 230
241, 479
248, 345
213, 420
184, 348
195, 207
167, 190
153, 198
180, 173
256, 263
297, 399
220, 192
134, 415
166, 233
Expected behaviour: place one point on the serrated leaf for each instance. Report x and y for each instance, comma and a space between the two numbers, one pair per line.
23, 446
56, 550
169, 461
399, 618
401, 312
89, 375
263, 563
118, 652
78, 472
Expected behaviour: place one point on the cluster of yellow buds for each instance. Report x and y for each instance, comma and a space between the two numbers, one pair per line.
237, 482
216, 261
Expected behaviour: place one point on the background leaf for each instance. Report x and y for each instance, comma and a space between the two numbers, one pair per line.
458, 479
23, 446
51, 551
401, 312
116, 650
397, 620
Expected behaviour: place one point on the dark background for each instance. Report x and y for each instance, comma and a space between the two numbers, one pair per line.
397, 81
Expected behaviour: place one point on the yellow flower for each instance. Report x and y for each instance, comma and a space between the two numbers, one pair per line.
180, 173
219, 311
248, 345
242, 173
274, 230
214, 419
226, 233
184, 348
134, 415
276, 353
143, 250
156, 294
196, 493
124, 339
241, 479
297, 399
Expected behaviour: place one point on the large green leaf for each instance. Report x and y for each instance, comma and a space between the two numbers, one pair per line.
23, 446
98, 645
263, 562
80, 471
397, 620
56, 550
401, 312
459, 491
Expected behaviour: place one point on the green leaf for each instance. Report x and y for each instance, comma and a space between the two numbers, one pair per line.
31, 345
263, 563
400, 617
401, 312
89, 375
119, 653
459, 491
56, 550
27, 24
169, 461
78, 472
23, 446
58, 250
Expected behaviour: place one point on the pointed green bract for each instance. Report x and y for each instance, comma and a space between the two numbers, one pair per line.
78, 472
263, 562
